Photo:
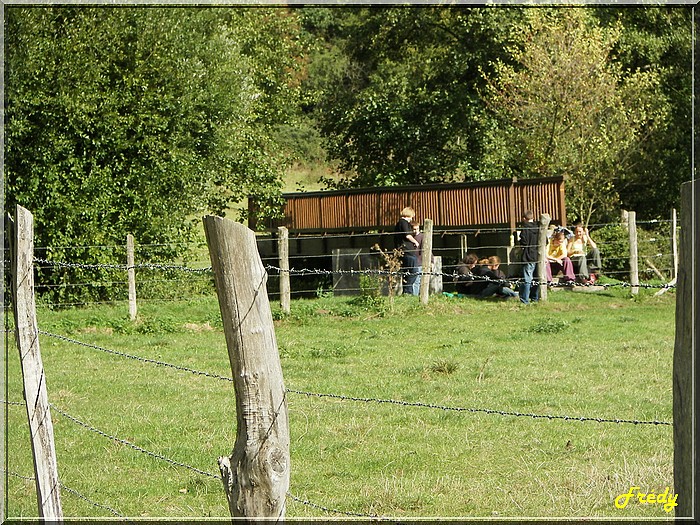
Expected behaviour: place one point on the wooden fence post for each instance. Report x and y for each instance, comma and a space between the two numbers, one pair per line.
131, 272
542, 255
283, 249
256, 474
686, 426
48, 490
463, 245
634, 261
674, 242
427, 257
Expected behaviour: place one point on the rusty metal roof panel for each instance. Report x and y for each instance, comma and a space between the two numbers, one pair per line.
495, 203
362, 210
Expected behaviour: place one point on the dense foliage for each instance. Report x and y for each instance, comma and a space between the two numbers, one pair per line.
464, 93
566, 108
136, 120
139, 120
405, 109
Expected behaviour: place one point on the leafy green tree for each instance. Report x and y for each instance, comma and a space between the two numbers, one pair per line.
405, 108
657, 39
133, 120
566, 108
400, 96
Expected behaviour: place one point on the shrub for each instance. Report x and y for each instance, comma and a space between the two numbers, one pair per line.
653, 248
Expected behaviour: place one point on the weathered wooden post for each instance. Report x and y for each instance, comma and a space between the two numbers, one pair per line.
686, 426
256, 474
131, 273
463, 245
674, 242
427, 256
283, 250
542, 255
634, 260
48, 490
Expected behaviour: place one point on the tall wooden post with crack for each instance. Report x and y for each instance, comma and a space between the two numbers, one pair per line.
256, 474
48, 487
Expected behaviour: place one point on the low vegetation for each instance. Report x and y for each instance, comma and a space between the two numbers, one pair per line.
602, 356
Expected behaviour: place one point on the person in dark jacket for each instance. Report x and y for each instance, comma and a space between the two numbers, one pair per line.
490, 282
503, 286
464, 280
404, 241
529, 239
483, 285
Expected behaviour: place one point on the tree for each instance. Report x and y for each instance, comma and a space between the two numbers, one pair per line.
566, 108
133, 120
401, 95
405, 109
657, 39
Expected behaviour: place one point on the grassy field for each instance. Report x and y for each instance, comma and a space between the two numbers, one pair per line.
600, 356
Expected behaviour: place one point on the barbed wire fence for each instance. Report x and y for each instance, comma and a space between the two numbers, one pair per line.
311, 263
366, 400
272, 270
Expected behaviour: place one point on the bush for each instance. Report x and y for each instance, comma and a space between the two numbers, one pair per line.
653, 248
613, 243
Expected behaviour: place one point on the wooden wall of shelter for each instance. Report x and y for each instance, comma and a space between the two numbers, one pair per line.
496, 204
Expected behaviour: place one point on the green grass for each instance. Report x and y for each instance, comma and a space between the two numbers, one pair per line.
603, 355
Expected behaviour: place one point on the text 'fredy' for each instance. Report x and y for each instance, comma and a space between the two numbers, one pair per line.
651, 498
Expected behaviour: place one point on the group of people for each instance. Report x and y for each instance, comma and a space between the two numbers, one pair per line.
573, 254
482, 278
409, 239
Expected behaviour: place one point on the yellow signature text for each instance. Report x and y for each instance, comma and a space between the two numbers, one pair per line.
651, 498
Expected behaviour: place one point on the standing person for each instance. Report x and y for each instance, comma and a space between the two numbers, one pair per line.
558, 259
417, 235
584, 255
404, 241
529, 239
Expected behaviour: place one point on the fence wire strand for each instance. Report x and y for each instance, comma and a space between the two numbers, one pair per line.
130, 356
365, 399
74, 492
477, 410
371, 272
123, 267
132, 445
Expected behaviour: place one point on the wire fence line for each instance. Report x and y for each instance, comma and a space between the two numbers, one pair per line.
297, 499
132, 445
324, 272
318, 271
123, 267
74, 492
307, 271
364, 399
269, 236
308, 281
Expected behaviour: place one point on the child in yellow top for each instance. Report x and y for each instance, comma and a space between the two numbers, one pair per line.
584, 255
558, 260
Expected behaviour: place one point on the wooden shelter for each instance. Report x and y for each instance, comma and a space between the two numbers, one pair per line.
336, 229
497, 204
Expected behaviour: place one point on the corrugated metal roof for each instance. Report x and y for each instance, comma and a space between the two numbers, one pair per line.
450, 206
